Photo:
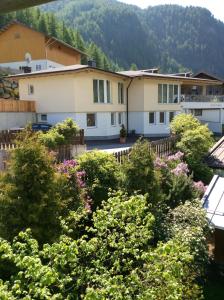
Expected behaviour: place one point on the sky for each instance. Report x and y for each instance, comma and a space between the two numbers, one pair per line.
215, 6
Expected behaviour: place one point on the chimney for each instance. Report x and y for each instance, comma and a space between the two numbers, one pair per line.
92, 63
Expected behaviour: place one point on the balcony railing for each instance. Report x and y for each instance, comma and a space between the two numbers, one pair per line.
202, 98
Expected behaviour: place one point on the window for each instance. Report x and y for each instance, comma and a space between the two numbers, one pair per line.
162, 117
43, 118
91, 120
113, 119
168, 93
120, 118
152, 118
120, 93
198, 112
171, 116
30, 89
101, 91
38, 67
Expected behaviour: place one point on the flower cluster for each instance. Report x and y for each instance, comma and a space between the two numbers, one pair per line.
177, 156
200, 187
67, 166
181, 169
159, 163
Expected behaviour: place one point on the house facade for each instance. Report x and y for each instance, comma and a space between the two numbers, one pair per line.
101, 101
22, 46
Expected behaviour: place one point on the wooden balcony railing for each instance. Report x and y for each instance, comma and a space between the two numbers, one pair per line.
17, 106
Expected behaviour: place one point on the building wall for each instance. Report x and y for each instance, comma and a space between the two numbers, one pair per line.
19, 40
15, 119
61, 54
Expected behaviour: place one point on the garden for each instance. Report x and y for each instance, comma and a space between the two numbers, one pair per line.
91, 228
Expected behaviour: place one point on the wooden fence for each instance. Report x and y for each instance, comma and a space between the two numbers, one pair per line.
17, 106
163, 147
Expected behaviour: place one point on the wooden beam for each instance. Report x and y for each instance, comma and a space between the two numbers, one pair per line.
11, 5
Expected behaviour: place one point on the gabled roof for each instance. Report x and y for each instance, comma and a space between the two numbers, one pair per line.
10, 5
15, 22
213, 202
215, 159
205, 75
63, 70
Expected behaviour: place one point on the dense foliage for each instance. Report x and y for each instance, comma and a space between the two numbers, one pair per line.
93, 229
172, 37
195, 140
50, 25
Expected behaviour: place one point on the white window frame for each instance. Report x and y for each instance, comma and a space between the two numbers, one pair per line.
89, 127
154, 113
121, 94
164, 113
105, 100
114, 119
168, 87
120, 118
38, 67
45, 117
30, 89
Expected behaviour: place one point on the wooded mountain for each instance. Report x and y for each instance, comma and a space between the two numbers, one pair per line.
170, 36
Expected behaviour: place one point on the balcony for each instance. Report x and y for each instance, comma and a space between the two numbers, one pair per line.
11, 105
203, 98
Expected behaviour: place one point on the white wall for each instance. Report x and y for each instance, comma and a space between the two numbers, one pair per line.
45, 64
103, 129
15, 119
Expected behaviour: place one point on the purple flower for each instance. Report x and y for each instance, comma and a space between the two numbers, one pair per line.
88, 203
181, 169
178, 156
159, 163
200, 186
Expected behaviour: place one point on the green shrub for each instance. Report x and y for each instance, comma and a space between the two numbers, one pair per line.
183, 122
102, 173
138, 172
61, 134
28, 196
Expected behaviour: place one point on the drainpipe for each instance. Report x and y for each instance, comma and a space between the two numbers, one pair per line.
127, 104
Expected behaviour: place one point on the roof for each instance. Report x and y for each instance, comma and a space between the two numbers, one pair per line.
141, 73
213, 202
63, 70
15, 22
10, 5
205, 75
215, 159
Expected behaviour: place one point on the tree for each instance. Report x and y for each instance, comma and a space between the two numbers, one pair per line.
133, 67
28, 192
183, 122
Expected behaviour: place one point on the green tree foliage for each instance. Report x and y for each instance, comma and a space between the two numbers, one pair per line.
138, 171
195, 142
114, 260
61, 134
101, 174
171, 37
28, 192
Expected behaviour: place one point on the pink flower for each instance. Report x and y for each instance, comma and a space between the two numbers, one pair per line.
178, 156
200, 186
159, 163
181, 169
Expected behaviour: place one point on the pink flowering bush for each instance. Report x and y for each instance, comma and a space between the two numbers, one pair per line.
73, 185
200, 187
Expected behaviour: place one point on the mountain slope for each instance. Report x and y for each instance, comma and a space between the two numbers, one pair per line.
169, 36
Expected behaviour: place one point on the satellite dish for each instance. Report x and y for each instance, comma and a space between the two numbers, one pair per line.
28, 58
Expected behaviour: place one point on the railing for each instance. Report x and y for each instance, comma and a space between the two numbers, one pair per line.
17, 106
202, 98
161, 148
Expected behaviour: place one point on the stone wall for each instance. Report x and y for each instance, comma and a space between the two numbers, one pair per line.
9, 89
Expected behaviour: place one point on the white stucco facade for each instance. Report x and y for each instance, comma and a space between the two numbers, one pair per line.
9, 120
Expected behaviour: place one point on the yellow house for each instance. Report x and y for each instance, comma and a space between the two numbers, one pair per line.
101, 101
94, 98
22, 46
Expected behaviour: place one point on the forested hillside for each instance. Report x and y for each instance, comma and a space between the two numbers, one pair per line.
170, 36
51, 25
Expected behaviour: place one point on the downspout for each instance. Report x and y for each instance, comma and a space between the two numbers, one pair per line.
127, 103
